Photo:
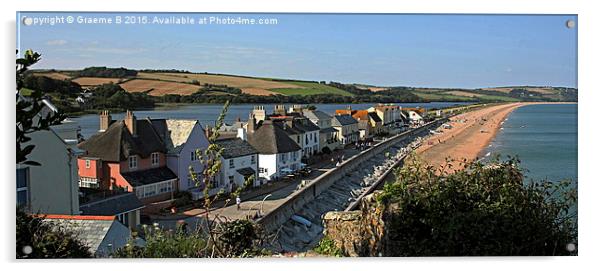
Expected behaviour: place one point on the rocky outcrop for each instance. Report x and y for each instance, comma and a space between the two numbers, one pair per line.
362, 233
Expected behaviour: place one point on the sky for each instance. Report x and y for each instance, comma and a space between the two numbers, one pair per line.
455, 51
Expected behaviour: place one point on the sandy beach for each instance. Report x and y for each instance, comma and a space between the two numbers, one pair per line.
470, 133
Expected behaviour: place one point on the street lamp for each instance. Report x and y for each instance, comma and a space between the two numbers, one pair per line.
262, 201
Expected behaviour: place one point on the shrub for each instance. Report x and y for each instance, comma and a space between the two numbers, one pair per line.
483, 210
46, 239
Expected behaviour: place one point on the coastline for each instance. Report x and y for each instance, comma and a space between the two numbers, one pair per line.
470, 135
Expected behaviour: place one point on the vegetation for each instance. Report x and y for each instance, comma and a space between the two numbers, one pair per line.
113, 96
106, 72
39, 239
483, 210
329, 248
28, 109
311, 88
48, 84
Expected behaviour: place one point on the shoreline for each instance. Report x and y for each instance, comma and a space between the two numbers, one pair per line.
469, 137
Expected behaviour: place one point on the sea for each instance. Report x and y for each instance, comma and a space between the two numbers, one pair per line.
208, 113
543, 137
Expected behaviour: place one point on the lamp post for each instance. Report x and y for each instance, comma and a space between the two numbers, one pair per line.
262, 201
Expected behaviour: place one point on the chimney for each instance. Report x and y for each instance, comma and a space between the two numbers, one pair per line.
280, 109
251, 124
208, 131
259, 113
130, 122
105, 120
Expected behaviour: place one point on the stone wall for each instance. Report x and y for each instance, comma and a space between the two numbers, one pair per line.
361, 233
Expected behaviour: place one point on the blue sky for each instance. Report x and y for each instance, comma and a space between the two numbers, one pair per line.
392, 50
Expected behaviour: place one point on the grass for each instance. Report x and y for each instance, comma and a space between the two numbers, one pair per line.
25, 91
310, 88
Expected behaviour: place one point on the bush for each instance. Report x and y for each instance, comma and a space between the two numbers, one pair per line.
46, 239
483, 210
329, 248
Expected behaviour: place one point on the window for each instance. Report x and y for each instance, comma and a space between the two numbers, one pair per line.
214, 183
193, 156
155, 158
22, 186
150, 190
133, 162
283, 157
165, 187
87, 163
88, 182
231, 163
263, 170
252, 159
231, 179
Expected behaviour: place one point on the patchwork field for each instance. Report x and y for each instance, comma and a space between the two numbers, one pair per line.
159, 88
94, 81
463, 93
310, 88
54, 75
247, 85
542, 90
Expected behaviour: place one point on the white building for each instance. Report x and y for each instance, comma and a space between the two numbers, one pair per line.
52, 187
279, 155
328, 134
239, 162
182, 139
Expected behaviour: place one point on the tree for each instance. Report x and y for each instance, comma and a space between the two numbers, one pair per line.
39, 239
29, 117
483, 210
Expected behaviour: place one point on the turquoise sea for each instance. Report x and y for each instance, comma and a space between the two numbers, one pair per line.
544, 137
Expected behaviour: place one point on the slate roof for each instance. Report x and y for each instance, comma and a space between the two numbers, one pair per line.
149, 176
117, 143
235, 147
91, 230
305, 125
316, 115
342, 120
328, 130
374, 116
271, 139
114, 205
247, 171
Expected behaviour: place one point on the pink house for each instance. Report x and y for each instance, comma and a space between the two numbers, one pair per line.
127, 154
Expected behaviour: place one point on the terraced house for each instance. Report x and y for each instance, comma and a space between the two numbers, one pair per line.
328, 134
279, 155
347, 129
127, 155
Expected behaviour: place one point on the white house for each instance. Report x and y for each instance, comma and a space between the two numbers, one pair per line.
239, 162
414, 117
328, 134
52, 187
279, 155
182, 139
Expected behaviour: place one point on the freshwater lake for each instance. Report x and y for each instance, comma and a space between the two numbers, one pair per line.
544, 136
208, 113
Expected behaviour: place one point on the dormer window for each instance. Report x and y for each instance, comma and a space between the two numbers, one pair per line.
133, 162
155, 158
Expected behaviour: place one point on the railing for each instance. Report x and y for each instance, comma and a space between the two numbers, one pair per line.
295, 202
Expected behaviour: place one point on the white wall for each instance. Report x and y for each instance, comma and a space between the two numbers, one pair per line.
179, 163
53, 186
274, 163
239, 163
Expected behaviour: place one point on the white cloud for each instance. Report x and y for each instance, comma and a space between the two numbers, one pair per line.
56, 42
